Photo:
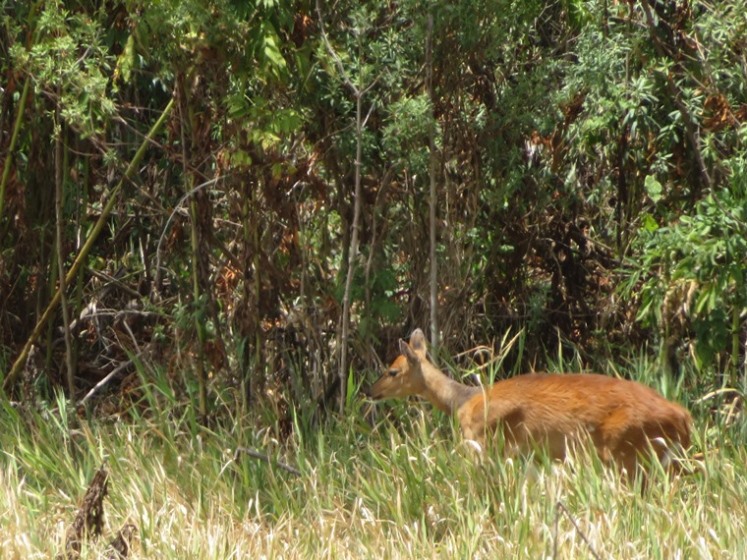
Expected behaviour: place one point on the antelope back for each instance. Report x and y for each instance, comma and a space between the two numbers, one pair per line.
624, 419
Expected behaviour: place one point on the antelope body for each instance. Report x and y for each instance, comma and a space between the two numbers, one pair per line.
625, 421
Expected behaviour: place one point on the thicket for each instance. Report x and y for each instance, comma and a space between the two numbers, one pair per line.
250, 195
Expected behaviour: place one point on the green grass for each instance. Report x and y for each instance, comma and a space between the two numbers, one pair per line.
404, 487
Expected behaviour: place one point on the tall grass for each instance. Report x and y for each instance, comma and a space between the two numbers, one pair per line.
406, 487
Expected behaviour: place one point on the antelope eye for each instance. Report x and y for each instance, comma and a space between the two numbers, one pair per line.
393, 372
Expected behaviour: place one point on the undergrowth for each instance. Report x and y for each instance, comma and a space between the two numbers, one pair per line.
394, 482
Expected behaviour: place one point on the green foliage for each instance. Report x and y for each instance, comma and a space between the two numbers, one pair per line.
374, 293
69, 62
405, 137
694, 269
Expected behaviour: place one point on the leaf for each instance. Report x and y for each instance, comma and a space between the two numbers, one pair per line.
649, 223
126, 61
241, 158
653, 188
270, 48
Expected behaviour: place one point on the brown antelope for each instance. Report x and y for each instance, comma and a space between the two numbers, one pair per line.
625, 421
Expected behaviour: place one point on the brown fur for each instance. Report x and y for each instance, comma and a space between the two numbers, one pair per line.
624, 420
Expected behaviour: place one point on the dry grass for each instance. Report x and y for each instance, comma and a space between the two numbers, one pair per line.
406, 491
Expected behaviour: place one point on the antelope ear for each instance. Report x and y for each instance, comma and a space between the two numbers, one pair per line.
417, 342
407, 352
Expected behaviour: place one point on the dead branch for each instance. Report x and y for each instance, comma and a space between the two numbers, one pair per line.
89, 522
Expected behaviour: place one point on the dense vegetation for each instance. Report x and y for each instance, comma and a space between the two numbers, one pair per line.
225, 213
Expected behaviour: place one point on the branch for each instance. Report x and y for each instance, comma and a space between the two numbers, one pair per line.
340, 68
177, 208
266, 459
560, 508
117, 370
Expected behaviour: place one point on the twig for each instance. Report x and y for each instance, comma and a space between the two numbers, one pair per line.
560, 508
717, 392
177, 209
116, 281
357, 92
106, 380
266, 458
119, 547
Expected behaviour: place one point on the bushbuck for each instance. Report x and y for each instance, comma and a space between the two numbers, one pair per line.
625, 421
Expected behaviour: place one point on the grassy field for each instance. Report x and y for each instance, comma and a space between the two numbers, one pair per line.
403, 486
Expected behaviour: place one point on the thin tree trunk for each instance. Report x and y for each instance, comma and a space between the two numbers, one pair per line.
432, 198
12, 146
360, 122
199, 305
353, 254
198, 308
59, 235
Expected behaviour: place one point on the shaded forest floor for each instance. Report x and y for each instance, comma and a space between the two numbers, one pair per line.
390, 482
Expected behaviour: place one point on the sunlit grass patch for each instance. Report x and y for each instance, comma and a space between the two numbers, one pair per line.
402, 488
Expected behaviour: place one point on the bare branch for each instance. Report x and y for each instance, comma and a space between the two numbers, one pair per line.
266, 459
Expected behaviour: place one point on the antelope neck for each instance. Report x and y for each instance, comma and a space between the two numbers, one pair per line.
445, 393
